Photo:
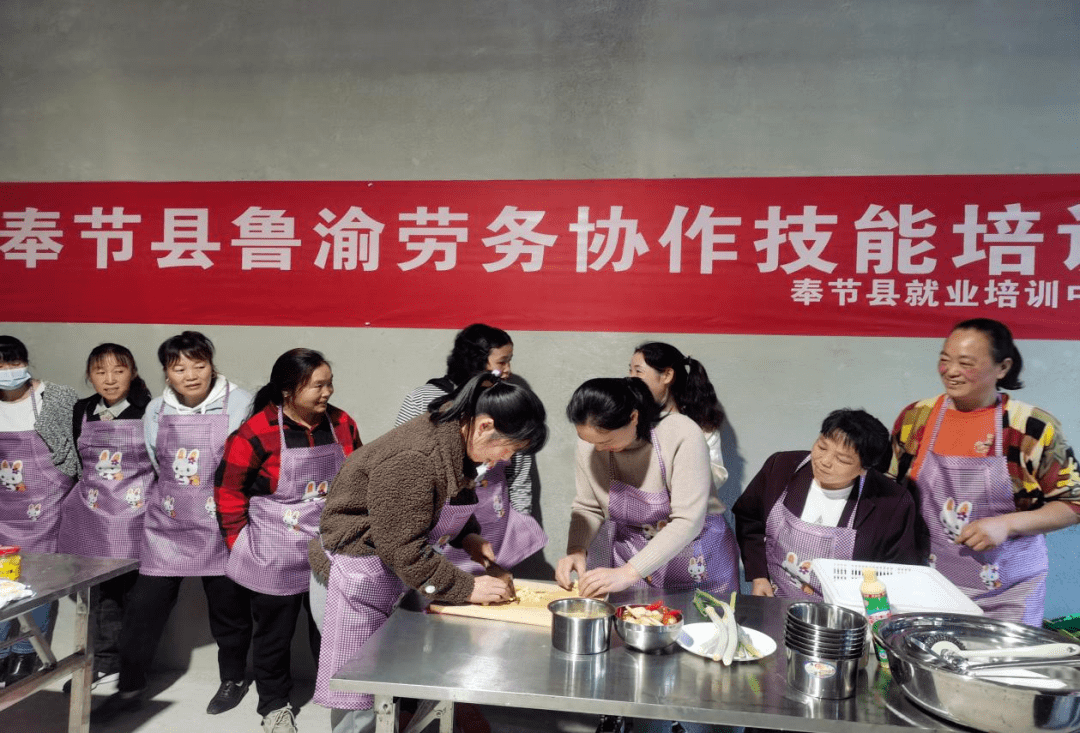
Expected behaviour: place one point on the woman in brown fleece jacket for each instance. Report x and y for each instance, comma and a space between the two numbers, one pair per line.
384, 527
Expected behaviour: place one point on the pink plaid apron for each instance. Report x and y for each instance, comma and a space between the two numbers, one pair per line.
513, 536
792, 544
270, 553
31, 490
103, 516
1008, 582
360, 596
709, 562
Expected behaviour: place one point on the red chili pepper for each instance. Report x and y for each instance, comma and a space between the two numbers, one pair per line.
669, 618
654, 606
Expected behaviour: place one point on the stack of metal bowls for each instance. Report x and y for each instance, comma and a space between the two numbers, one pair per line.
824, 646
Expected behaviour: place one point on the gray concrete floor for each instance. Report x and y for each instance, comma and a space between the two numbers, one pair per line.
179, 704
188, 679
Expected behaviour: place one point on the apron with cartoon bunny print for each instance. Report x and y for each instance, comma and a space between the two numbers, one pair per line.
270, 553
361, 594
710, 562
31, 490
103, 515
182, 537
1008, 582
792, 544
513, 536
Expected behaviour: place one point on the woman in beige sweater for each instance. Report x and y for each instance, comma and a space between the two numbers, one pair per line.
644, 513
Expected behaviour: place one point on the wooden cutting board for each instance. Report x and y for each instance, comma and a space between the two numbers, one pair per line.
529, 610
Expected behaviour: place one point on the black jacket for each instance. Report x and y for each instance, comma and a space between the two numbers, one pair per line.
885, 523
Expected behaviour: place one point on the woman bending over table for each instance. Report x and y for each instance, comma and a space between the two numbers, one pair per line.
386, 525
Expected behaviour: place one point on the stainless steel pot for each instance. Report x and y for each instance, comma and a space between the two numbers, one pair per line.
821, 676
581, 625
1036, 698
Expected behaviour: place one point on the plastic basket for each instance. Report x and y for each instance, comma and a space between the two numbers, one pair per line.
1066, 624
911, 588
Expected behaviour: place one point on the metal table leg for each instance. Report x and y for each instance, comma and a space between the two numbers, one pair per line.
431, 710
386, 714
79, 710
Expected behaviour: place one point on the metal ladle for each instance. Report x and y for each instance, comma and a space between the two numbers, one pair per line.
1039, 655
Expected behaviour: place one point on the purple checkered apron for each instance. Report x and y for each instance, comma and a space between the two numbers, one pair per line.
181, 535
709, 562
792, 544
513, 536
32, 490
103, 515
1008, 582
360, 596
270, 553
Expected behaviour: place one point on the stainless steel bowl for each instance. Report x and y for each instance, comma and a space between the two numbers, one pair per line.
971, 698
852, 640
581, 625
822, 650
646, 638
827, 618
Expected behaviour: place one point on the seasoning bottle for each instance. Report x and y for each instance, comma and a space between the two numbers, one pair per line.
876, 602
10, 562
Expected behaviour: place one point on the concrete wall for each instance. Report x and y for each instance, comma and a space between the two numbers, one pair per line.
346, 90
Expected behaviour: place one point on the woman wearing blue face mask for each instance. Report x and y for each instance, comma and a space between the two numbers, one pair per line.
38, 463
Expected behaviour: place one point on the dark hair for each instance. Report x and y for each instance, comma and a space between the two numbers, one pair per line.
13, 350
191, 344
1002, 347
472, 345
291, 371
518, 414
138, 392
691, 389
863, 432
609, 402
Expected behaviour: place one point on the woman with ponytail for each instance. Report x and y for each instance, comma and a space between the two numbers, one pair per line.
680, 384
270, 490
992, 474
395, 507
504, 491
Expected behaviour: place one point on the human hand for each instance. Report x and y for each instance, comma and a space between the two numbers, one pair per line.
762, 587
574, 562
601, 581
489, 589
985, 534
478, 548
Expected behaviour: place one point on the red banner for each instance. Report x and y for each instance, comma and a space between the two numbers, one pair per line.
890, 255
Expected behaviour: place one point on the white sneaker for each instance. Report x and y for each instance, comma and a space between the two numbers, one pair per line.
279, 721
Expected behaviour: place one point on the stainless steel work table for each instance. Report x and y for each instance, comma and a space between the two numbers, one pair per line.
51, 577
453, 659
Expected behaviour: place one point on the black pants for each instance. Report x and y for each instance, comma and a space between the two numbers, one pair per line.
108, 620
275, 623
148, 608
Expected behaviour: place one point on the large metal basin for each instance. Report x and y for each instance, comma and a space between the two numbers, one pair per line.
995, 705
